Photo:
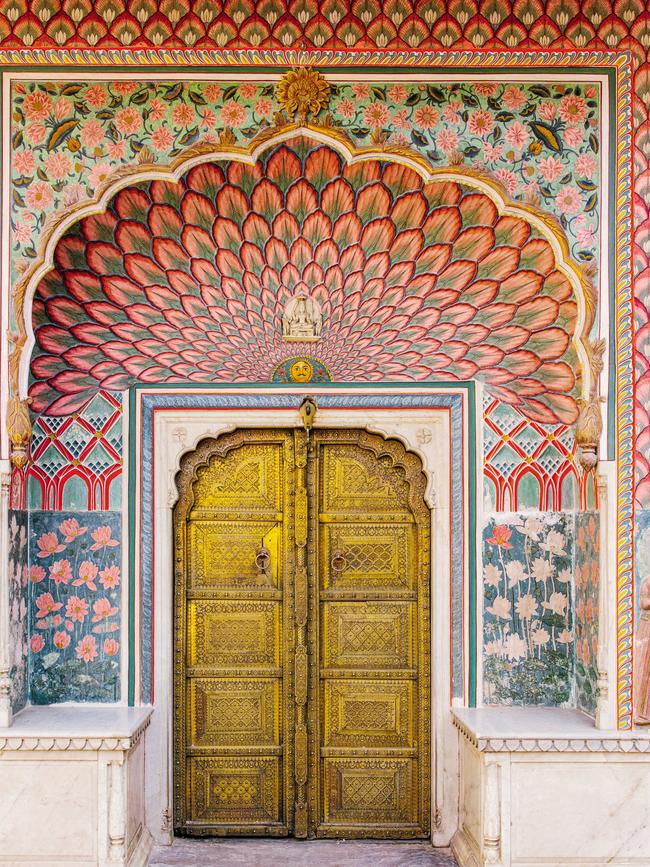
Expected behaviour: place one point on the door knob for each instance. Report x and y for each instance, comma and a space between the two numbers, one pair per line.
263, 563
338, 561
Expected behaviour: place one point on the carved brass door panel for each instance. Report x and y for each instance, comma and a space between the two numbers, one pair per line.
233, 718
370, 739
302, 637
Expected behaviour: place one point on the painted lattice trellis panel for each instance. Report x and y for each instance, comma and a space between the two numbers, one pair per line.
76, 460
531, 466
75, 606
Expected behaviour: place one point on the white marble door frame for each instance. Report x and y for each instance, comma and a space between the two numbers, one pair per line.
425, 431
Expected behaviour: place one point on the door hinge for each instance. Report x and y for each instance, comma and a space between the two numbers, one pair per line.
308, 412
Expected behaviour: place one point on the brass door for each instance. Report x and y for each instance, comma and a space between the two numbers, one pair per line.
302, 642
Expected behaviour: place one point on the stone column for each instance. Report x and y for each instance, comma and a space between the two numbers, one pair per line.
606, 716
5, 650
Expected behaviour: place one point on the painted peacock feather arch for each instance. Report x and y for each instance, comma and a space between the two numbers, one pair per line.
420, 275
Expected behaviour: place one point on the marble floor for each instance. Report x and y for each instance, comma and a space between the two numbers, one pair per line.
295, 853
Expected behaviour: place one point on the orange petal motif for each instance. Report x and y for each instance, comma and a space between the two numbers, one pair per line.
188, 281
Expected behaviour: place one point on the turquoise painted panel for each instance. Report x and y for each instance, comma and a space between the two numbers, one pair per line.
528, 653
74, 606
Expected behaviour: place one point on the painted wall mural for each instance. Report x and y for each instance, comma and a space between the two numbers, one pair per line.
17, 570
541, 142
75, 587
586, 579
189, 281
528, 617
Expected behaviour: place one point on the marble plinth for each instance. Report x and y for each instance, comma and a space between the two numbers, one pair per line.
542, 787
72, 788
298, 853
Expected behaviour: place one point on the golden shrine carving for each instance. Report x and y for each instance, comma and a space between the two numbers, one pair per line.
302, 701
302, 319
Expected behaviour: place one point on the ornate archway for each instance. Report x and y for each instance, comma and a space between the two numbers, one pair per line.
183, 274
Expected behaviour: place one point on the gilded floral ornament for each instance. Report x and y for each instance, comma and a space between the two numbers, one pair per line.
303, 92
145, 156
227, 137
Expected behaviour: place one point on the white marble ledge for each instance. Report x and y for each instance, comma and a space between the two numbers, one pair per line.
56, 727
543, 729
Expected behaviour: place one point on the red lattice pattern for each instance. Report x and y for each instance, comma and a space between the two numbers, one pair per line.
84, 448
518, 451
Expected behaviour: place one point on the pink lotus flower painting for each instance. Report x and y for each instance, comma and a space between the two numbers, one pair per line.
46, 604
102, 539
49, 544
60, 572
74, 655
36, 643
110, 578
86, 649
70, 529
87, 574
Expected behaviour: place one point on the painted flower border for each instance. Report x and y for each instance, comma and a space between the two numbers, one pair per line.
622, 423
541, 141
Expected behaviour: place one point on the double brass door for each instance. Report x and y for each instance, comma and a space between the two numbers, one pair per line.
301, 657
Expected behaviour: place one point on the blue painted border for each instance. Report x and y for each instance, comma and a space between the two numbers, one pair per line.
454, 402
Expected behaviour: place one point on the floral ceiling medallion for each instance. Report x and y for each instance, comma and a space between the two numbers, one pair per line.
303, 92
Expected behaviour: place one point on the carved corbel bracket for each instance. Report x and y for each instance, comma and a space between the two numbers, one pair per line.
19, 428
589, 426
588, 429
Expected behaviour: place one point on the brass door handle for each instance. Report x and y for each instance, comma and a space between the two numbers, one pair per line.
263, 563
338, 561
